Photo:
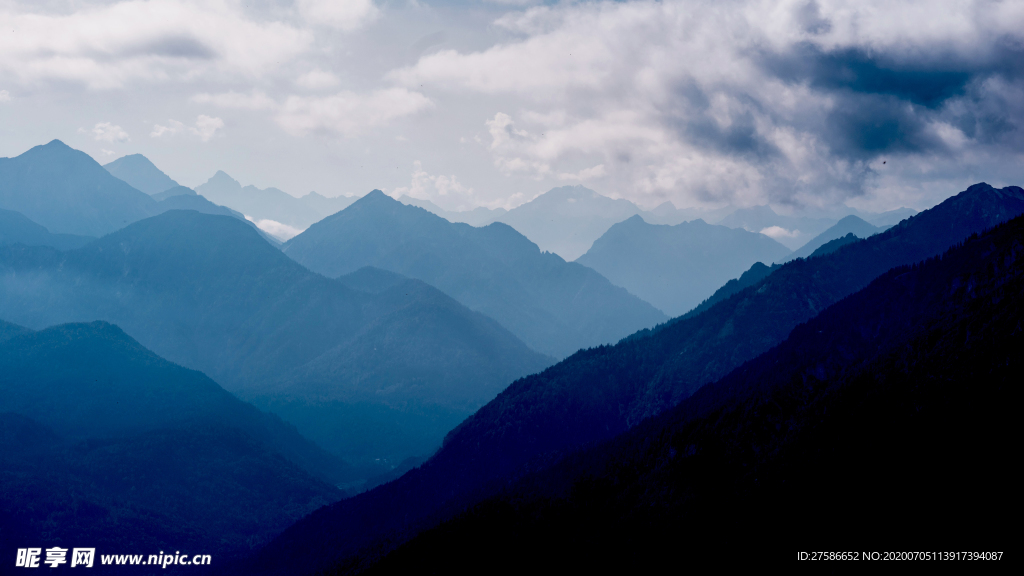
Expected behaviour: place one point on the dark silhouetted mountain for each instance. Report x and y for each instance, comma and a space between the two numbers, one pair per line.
833, 245
599, 393
118, 444
567, 220
16, 228
848, 225
208, 293
269, 203
677, 267
67, 192
140, 173
757, 272
554, 306
174, 191
855, 416
791, 231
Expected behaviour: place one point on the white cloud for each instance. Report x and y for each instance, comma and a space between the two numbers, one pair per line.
348, 113
779, 232
107, 132
5, 96
110, 46
256, 100
342, 14
173, 127
679, 99
276, 229
445, 191
205, 127
585, 174
317, 79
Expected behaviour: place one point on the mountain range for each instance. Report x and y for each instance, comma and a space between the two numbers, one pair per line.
556, 307
271, 203
599, 393
67, 192
107, 443
857, 411
209, 293
677, 267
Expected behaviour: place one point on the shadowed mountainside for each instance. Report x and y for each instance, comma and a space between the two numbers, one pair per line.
602, 392
859, 414
105, 441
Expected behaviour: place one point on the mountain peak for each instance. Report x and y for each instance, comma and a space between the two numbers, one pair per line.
222, 177
141, 174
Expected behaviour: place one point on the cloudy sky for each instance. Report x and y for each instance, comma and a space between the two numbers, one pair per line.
803, 104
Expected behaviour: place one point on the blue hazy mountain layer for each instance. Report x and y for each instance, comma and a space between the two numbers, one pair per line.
67, 192
599, 393
140, 173
556, 307
209, 293
185, 201
174, 191
16, 228
106, 442
94, 381
677, 267
848, 225
856, 415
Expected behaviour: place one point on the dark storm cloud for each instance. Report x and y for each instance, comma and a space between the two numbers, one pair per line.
885, 101
692, 120
172, 47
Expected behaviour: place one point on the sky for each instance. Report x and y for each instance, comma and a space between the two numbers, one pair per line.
805, 105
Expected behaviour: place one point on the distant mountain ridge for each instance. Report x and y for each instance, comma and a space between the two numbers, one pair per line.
554, 306
677, 267
270, 203
67, 192
791, 231
140, 173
